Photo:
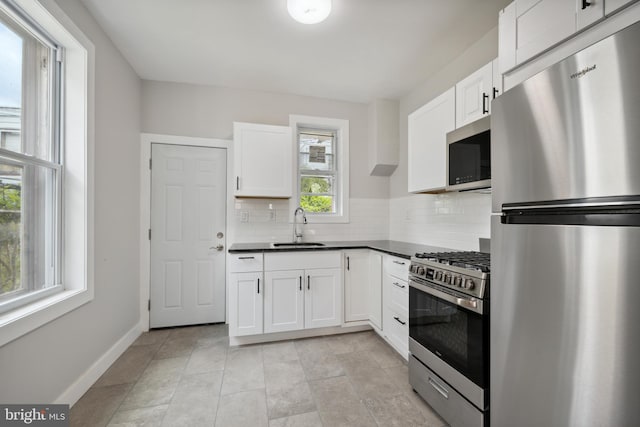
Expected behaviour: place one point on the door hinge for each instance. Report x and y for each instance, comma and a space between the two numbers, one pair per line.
149, 234
149, 164
149, 305
59, 54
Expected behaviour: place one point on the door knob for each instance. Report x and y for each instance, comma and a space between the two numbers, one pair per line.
217, 248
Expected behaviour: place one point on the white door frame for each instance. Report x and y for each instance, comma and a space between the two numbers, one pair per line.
146, 139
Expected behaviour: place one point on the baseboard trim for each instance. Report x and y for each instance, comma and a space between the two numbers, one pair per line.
303, 333
75, 391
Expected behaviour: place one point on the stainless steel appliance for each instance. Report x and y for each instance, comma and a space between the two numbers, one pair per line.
448, 334
469, 156
566, 242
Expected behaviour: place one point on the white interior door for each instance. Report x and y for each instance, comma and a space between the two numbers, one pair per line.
188, 198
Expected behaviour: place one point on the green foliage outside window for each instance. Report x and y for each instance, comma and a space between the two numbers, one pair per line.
10, 199
312, 203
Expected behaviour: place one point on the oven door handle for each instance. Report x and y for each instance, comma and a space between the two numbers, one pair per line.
470, 304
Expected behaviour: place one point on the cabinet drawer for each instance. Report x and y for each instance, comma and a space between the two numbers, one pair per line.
302, 260
398, 296
396, 328
240, 263
398, 267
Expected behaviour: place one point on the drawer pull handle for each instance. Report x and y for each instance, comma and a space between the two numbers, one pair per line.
439, 388
399, 321
247, 257
398, 262
399, 285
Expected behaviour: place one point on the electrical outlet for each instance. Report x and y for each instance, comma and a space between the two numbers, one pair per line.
244, 216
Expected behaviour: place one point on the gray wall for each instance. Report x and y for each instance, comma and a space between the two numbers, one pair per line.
208, 111
39, 366
479, 54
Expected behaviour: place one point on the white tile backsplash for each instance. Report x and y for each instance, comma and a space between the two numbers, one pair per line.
451, 220
268, 221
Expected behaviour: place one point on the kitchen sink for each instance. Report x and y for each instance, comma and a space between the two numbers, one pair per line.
297, 245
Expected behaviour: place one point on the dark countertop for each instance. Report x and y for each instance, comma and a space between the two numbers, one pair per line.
391, 247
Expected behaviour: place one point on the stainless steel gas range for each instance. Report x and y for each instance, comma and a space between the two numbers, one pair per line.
449, 334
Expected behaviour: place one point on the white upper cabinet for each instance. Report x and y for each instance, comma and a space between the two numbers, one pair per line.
427, 134
611, 6
529, 27
473, 96
588, 12
263, 160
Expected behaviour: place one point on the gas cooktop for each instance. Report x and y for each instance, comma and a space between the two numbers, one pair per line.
464, 272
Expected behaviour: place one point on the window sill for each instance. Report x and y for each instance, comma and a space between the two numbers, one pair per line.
23, 320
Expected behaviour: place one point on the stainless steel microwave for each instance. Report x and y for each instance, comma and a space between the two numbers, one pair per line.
469, 156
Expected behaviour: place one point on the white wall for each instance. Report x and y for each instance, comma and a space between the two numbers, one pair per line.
208, 111
41, 365
453, 220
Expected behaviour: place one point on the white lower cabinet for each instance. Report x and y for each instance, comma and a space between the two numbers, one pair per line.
302, 291
356, 285
283, 301
396, 303
245, 300
374, 295
323, 298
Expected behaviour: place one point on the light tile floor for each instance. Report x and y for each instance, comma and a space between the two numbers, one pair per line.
191, 377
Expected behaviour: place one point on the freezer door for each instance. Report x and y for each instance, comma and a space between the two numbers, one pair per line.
572, 131
564, 325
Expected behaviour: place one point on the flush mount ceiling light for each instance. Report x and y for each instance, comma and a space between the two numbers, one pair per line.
309, 11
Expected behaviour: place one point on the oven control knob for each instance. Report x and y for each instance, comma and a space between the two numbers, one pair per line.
457, 281
421, 271
438, 275
469, 284
447, 278
412, 268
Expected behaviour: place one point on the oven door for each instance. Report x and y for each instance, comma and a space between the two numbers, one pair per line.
452, 326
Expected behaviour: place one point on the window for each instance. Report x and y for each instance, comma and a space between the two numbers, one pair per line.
317, 172
46, 166
322, 147
30, 169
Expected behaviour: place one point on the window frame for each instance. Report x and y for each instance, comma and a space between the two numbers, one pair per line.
341, 129
76, 133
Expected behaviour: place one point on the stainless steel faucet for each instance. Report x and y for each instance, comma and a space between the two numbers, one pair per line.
297, 231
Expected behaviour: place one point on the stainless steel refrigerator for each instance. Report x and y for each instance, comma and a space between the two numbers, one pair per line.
565, 273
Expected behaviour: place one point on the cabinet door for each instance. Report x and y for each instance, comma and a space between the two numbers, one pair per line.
541, 24
473, 96
245, 299
588, 12
283, 301
323, 298
611, 6
356, 284
375, 289
427, 132
263, 160
496, 79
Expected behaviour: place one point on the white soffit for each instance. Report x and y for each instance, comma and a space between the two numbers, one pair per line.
366, 49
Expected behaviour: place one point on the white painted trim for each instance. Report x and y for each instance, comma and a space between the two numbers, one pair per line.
342, 128
146, 139
75, 391
78, 201
302, 333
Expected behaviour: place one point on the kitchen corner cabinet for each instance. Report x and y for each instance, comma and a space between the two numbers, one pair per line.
356, 284
374, 292
263, 160
529, 27
427, 136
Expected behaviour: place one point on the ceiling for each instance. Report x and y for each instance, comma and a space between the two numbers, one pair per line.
366, 49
